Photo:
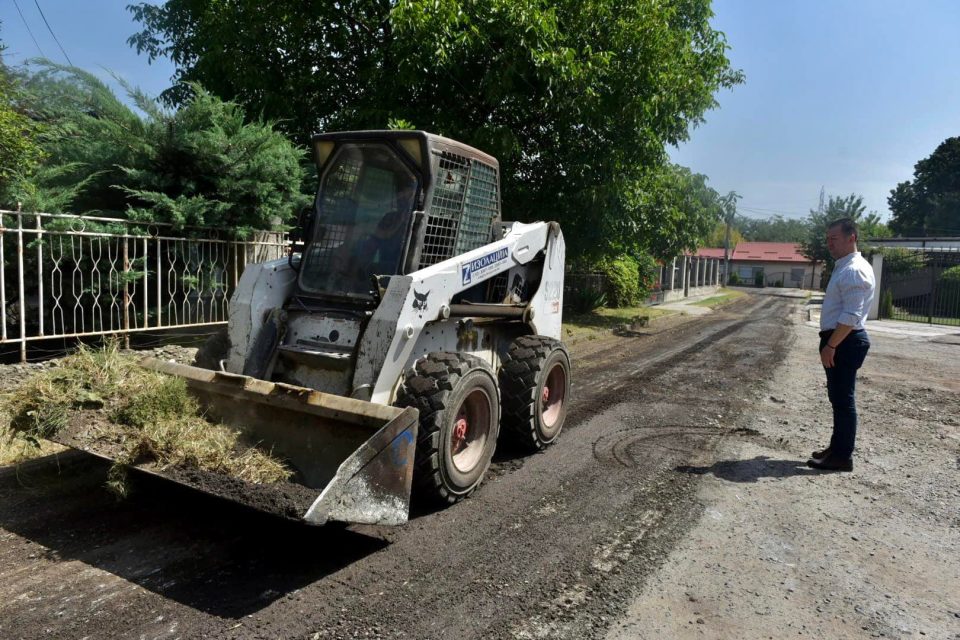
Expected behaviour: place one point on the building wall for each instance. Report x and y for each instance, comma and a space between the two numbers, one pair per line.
797, 275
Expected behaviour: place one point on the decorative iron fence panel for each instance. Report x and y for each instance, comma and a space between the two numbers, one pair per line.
586, 282
65, 276
925, 293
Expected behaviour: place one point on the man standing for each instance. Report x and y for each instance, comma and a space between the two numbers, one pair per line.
843, 340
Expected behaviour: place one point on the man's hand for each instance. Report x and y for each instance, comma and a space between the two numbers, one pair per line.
828, 353
826, 356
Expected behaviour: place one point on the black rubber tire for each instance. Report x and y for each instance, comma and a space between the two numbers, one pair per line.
438, 386
524, 371
214, 349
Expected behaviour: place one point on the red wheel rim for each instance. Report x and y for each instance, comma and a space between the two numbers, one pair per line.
470, 431
552, 396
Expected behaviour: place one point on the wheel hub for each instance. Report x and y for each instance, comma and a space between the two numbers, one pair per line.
460, 429
554, 389
469, 431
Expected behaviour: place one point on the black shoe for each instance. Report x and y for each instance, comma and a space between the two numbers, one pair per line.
820, 455
831, 464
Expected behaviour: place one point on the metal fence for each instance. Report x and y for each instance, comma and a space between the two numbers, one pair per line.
923, 293
66, 276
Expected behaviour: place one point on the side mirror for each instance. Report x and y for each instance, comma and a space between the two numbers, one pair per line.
301, 232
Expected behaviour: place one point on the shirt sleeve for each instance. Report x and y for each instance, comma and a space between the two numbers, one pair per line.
854, 289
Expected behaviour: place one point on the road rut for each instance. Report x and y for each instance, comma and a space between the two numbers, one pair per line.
552, 545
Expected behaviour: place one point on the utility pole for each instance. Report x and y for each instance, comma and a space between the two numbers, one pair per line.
729, 205
726, 254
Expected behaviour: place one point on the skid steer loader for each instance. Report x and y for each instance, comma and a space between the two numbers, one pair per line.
407, 331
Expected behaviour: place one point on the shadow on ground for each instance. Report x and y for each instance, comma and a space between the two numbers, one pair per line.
204, 552
753, 469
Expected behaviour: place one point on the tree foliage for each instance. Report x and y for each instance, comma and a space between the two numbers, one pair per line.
814, 246
576, 98
664, 213
718, 236
198, 165
20, 151
929, 205
776, 228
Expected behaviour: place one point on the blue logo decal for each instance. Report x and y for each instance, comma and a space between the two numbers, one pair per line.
482, 265
398, 449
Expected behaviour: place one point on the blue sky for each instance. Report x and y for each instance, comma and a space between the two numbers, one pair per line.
844, 94
93, 34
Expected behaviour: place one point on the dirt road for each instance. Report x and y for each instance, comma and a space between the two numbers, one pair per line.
785, 551
553, 545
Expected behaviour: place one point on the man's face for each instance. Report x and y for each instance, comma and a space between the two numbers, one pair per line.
839, 244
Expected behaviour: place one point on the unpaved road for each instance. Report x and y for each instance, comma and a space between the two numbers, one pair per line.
785, 551
559, 544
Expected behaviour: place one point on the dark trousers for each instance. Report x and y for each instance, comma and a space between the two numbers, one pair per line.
841, 389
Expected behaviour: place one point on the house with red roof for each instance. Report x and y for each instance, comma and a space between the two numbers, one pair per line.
776, 263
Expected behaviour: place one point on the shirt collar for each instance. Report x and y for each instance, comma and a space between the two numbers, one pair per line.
842, 262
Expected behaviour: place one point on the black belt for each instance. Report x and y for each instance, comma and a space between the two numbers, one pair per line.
827, 333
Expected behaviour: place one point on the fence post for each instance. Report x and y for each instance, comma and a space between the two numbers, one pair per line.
146, 297
3, 286
40, 271
23, 302
877, 265
126, 294
159, 322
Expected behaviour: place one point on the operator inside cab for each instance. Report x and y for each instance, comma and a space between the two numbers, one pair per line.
364, 211
383, 248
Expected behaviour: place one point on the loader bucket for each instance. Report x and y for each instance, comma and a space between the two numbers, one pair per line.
352, 460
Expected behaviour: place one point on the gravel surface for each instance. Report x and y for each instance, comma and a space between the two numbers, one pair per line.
576, 542
786, 551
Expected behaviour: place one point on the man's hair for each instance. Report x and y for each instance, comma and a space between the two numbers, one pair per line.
847, 226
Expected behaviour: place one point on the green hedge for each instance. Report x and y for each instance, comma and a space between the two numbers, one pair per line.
623, 281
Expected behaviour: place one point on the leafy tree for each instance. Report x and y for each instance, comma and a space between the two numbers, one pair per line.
871, 226
662, 214
198, 165
89, 135
814, 246
576, 98
728, 204
776, 228
20, 152
929, 205
718, 234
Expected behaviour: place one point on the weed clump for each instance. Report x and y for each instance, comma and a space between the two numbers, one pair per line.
150, 416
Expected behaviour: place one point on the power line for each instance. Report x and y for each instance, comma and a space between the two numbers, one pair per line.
69, 61
28, 29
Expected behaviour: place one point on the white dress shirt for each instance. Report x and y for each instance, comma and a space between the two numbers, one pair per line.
849, 293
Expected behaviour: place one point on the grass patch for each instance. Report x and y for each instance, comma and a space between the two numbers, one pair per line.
589, 326
150, 415
725, 296
15, 449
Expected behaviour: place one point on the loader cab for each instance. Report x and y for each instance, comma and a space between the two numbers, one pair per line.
390, 203
362, 219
